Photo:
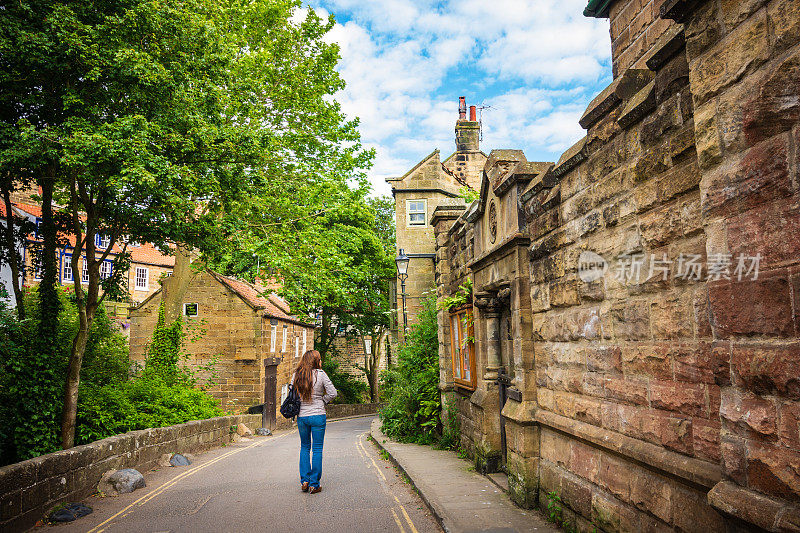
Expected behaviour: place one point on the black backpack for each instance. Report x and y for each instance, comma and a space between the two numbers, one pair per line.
290, 407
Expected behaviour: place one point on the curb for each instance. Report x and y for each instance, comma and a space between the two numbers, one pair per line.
438, 513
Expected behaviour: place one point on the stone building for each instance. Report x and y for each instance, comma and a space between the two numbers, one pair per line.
631, 343
254, 337
432, 183
352, 354
148, 265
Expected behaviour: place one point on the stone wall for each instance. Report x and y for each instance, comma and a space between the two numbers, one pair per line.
231, 333
635, 26
630, 353
664, 397
28, 490
744, 71
345, 410
155, 274
351, 355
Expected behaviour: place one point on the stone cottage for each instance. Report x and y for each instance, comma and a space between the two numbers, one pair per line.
254, 336
432, 183
632, 341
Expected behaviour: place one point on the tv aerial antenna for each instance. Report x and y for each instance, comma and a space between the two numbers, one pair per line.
480, 118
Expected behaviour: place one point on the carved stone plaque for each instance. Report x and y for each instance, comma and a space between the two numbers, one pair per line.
492, 222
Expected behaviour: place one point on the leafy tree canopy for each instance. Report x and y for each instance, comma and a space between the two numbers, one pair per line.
167, 120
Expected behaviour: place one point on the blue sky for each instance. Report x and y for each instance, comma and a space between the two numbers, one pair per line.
535, 64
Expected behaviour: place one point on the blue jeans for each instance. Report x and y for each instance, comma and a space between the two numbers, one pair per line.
312, 435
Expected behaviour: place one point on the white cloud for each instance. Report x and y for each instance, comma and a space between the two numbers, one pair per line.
537, 63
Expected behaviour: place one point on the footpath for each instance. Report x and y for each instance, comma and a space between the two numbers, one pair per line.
461, 499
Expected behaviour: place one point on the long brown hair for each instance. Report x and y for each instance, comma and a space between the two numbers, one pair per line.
304, 374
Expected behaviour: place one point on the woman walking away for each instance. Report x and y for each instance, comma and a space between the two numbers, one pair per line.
315, 390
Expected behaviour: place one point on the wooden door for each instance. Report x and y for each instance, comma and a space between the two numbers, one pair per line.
270, 392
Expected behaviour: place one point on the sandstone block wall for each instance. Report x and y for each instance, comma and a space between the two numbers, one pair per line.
344, 410
229, 330
635, 26
744, 71
351, 355
28, 490
665, 397
155, 274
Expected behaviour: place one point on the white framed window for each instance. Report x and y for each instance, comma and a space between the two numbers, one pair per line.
297, 347
273, 337
102, 241
105, 269
304, 341
84, 271
142, 279
285, 331
66, 272
417, 211
191, 309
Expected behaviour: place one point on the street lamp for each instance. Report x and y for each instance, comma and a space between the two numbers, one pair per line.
402, 273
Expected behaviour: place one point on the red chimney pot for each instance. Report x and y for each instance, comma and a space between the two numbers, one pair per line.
472, 115
462, 108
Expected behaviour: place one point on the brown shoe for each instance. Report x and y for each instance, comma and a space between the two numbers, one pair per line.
304, 486
315, 490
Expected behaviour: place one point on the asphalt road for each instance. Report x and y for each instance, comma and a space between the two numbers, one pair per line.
254, 486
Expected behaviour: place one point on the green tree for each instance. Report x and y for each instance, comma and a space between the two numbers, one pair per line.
170, 117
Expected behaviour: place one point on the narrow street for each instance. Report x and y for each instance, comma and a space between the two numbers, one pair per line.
254, 486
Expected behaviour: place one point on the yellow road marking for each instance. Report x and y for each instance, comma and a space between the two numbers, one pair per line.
408, 518
399, 523
372, 460
402, 509
150, 495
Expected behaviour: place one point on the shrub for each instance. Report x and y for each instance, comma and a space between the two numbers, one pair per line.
32, 380
112, 398
145, 401
411, 387
162, 394
451, 430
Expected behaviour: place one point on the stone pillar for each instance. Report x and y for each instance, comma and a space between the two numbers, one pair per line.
491, 309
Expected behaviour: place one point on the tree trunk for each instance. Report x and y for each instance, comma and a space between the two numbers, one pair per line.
70, 410
13, 258
48, 295
374, 366
324, 334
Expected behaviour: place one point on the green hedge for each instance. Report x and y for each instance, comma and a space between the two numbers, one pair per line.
410, 389
140, 403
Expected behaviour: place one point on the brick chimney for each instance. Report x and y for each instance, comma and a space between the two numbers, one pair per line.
468, 132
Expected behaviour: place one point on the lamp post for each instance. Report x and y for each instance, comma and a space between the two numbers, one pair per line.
402, 273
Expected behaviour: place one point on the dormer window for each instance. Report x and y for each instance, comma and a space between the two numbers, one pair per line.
102, 241
417, 212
